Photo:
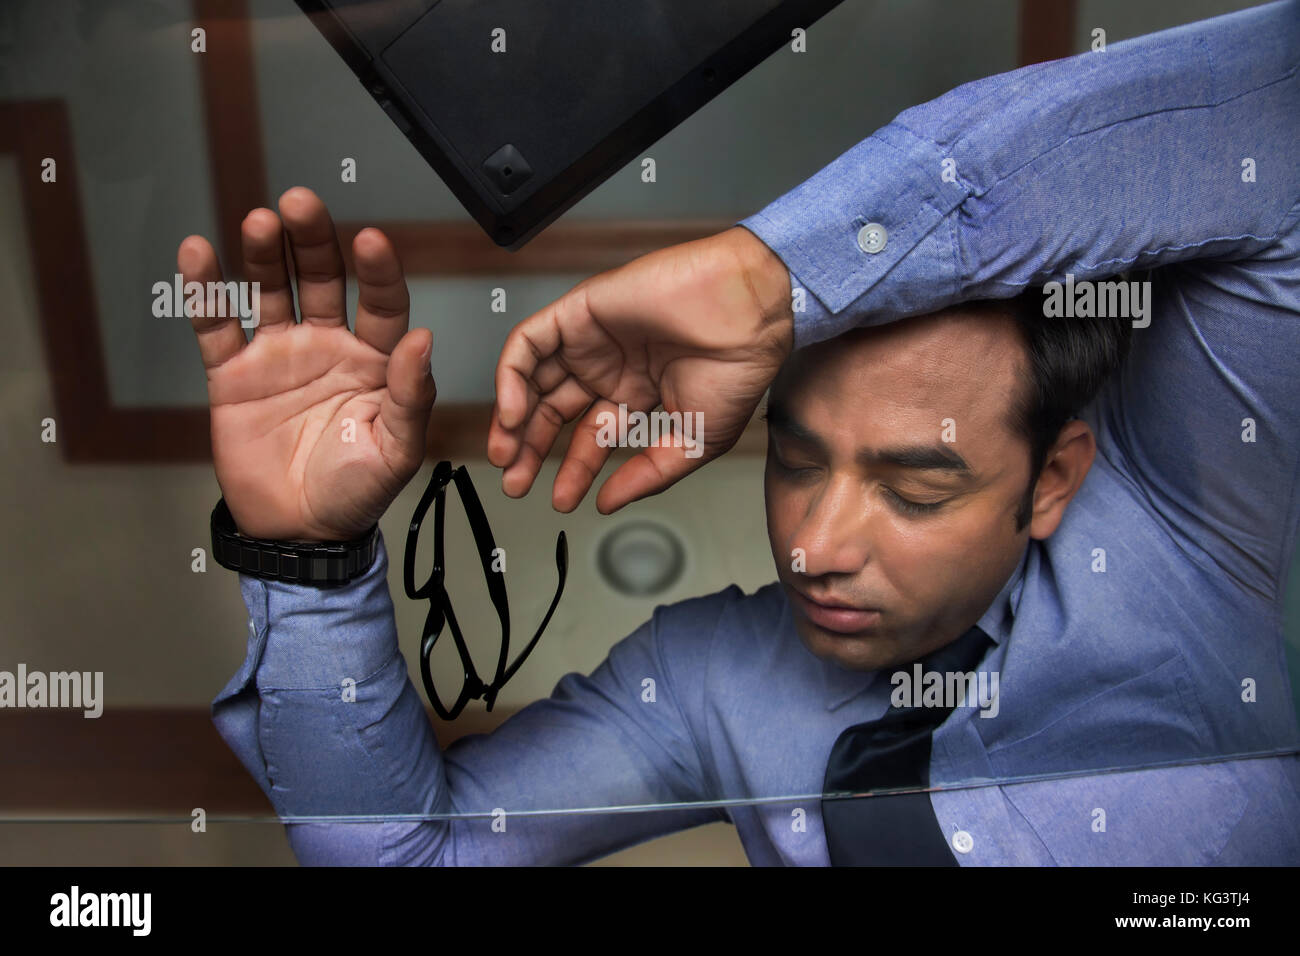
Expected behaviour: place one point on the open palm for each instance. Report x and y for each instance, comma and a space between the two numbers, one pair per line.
315, 430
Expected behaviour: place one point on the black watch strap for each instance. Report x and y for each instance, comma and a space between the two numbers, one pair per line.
321, 564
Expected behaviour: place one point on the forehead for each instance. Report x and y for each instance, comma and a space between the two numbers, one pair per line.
901, 381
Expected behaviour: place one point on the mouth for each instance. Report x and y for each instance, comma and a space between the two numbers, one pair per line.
836, 616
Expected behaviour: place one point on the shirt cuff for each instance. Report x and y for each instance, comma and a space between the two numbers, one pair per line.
315, 638
892, 179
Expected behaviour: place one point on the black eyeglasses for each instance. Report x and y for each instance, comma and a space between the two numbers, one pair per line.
440, 611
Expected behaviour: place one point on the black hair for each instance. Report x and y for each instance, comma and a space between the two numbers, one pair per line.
1067, 360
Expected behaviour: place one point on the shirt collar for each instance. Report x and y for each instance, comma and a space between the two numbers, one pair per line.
840, 685
997, 620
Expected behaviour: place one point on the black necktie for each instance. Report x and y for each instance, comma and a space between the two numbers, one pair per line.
893, 751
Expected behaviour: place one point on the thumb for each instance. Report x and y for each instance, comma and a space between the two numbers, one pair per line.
404, 411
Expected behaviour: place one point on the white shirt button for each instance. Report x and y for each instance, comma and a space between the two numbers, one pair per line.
872, 237
962, 842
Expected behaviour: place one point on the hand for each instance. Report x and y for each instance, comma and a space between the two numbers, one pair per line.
279, 402
698, 327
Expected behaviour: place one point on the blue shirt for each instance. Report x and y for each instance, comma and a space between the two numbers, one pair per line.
1132, 158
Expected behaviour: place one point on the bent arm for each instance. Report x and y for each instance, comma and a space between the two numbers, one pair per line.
1093, 164
1172, 150
324, 717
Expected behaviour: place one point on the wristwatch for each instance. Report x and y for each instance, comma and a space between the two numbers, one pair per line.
320, 564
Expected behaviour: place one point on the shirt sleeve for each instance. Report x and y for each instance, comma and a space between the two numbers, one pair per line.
324, 717
1173, 152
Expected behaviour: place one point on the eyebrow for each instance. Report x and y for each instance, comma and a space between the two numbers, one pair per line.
916, 457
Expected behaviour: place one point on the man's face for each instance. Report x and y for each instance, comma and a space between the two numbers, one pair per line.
905, 538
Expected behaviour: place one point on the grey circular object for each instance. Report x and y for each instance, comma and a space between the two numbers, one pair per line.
640, 558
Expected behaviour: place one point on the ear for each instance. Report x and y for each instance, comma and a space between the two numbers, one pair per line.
1067, 464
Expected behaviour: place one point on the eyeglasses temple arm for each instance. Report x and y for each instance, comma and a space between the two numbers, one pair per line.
487, 546
562, 567
437, 481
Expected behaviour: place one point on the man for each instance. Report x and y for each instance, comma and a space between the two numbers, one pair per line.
924, 479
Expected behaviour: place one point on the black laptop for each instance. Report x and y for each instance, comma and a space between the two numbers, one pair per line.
525, 106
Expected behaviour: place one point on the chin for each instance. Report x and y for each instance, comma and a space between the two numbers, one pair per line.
849, 652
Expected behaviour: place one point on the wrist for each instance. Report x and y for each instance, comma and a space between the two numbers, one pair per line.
768, 279
277, 529
322, 564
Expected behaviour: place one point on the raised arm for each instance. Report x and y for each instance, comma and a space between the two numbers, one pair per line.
315, 431
1178, 150
1174, 148
1131, 157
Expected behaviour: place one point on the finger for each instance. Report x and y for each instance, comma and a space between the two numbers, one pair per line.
220, 337
262, 237
530, 343
383, 302
317, 259
557, 408
504, 443
403, 421
648, 473
583, 460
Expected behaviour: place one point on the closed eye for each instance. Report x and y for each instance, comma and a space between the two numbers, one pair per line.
793, 471
912, 508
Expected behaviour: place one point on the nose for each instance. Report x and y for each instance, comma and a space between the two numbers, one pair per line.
833, 533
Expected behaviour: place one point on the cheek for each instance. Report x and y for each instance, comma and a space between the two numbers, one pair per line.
970, 553
912, 558
933, 560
